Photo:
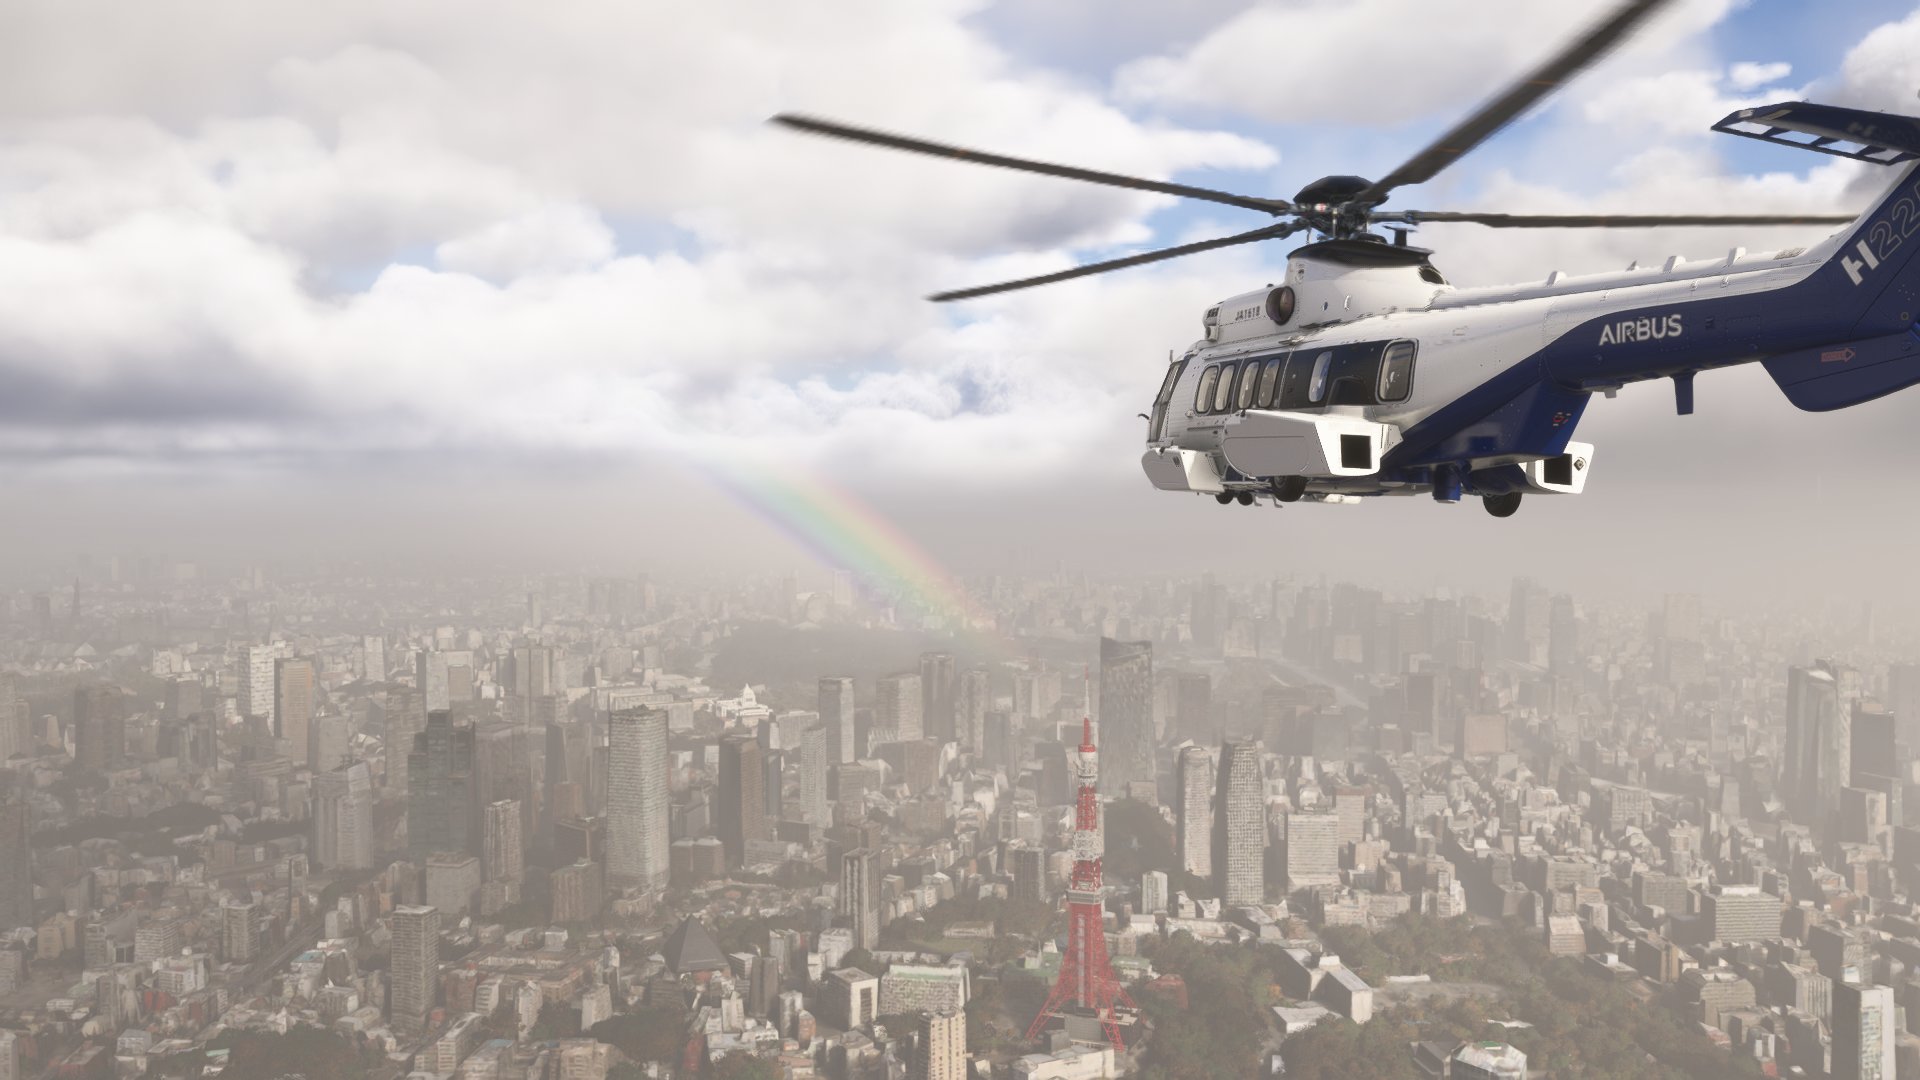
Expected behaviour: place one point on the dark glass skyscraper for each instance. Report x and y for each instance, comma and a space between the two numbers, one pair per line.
440, 801
1126, 713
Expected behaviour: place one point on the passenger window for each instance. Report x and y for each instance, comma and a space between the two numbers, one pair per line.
1269, 378
1203, 401
1355, 369
1223, 393
1317, 389
1293, 382
1249, 383
1396, 372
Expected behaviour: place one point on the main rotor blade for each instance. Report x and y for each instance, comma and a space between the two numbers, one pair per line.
1270, 232
829, 128
1519, 97
1607, 221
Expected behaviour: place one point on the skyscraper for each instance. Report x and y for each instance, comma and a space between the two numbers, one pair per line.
293, 706
942, 1054
99, 727
972, 700
743, 801
504, 856
1240, 825
936, 695
256, 681
566, 782
637, 841
897, 705
1312, 850
430, 678
1126, 712
415, 965
16, 855
440, 795
1193, 811
405, 718
860, 895
1818, 742
814, 806
14, 737
836, 712
1864, 1027
373, 658
239, 937
343, 818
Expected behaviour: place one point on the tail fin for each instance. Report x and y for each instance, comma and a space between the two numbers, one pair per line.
1869, 278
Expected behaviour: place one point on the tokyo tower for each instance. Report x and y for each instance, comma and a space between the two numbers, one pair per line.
1086, 986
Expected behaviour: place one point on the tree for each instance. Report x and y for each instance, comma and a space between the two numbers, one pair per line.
738, 1066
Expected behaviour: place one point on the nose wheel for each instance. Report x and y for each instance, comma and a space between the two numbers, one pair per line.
1501, 506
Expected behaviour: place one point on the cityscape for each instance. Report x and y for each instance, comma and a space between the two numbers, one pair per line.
602, 825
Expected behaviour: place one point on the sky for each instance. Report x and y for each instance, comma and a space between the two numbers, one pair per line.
529, 282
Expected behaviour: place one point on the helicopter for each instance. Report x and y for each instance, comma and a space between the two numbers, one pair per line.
1364, 373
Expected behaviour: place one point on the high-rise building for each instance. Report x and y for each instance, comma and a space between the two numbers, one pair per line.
815, 809
1864, 1028
256, 681
567, 782
1193, 811
430, 678
743, 802
373, 658
1819, 748
1153, 891
440, 788
1126, 712
1193, 704
16, 855
836, 713
942, 1053
860, 895
503, 857
404, 718
1872, 742
897, 705
14, 734
1903, 697
972, 700
343, 818
293, 705
13, 1063
637, 777
415, 966
1312, 850
239, 935
99, 727
1737, 913
936, 696
1240, 824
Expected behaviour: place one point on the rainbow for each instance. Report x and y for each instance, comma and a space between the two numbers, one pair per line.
845, 533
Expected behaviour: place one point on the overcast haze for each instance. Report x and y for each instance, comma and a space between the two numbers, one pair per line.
361, 279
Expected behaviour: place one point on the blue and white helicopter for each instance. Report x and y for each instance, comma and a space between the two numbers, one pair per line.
1364, 373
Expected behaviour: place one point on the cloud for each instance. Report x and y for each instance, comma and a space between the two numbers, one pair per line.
1747, 75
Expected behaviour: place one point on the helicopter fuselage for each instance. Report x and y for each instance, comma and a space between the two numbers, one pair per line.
1365, 374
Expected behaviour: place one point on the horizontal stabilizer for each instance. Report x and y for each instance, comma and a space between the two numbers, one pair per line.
1836, 376
1881, 138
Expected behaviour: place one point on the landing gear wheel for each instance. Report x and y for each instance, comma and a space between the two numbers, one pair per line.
1223, 498
1245, 497
1501, 506
1289, 488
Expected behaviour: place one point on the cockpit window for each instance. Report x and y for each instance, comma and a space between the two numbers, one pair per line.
1203, 400
1269, 380
1317, 389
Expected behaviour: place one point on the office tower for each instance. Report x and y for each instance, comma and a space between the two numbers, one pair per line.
942, 1054
1737, 913
1564, 655
239, 937
503, 769
532, 671
329, 742
1527, 622
403, 718
99, 727
936, 696
998, 748
836, 712
415, 965
343, 818
1126, 712
1872, 742
773, 761
1029, 872
579, 889
972, 700
1818, 742
814, 806
860, 896
1154, 890
1864, 1028
1193, 704
293, 705
1421, 715
504, 858
256, 681
430, 678
897, 704
566, 782
1193, 811
14, 734
373, 658
1312, 850
743, 800
1903, 697
16, 855
1239, 824
440, 789
637, 842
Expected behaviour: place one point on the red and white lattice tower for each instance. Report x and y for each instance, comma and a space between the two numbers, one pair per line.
1086, 987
